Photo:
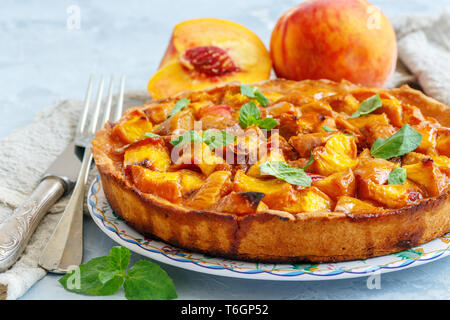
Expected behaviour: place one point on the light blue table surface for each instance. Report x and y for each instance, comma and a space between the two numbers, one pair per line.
41, 60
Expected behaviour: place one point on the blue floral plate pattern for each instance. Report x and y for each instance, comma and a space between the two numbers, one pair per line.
116, 228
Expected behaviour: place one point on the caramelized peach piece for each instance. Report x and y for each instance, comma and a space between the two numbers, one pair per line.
279, 144
442, 162
353, 205
151, 153
200, 156
429, 137
412, 115
443, 142
372, 169
338, 154
393, 110
347, 103
240, 203
338, 184
191, 181
427, 174
272, 156
163, 184
218, 111
207, 52
133, 128
305, 143
215, 187
276, 192
280, 108
309, 200
183, 120
391, 196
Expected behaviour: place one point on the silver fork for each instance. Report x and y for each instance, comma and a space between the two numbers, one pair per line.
65, 247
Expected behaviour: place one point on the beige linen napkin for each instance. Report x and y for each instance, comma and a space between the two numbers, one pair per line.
424, 51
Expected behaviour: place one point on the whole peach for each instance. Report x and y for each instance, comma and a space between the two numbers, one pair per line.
334, 39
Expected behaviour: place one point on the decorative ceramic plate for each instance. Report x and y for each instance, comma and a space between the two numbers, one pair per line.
116, 228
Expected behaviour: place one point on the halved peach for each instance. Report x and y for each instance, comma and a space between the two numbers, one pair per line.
206, 52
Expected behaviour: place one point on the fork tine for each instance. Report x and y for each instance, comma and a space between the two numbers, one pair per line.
87, 101
107, 111
119, 107
94, 120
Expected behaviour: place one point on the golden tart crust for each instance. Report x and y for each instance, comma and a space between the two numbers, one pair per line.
273, 235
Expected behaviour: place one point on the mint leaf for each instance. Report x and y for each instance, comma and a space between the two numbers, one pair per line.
310, 161
327, 129
254, 93
179, 105
285, 172
249, 114
186, 137
397, 176
267, 123
105, 275
367, 106
147, 281
119, 258
403, 141
217, 138
97, 277
151, 135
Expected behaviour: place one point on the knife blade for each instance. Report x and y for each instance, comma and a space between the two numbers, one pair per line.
17, 230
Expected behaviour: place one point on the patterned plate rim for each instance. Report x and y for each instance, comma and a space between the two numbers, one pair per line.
177, 257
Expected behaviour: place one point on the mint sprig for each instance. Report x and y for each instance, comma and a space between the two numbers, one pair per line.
403, 141
254, 93
186, 137
105, 275
249, 114
179, 105
151, 135
285, 172
367, 106
397, 176
213, 138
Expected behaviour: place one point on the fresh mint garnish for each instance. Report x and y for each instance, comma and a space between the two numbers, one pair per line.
310, 161
249, 114
403, 141
327, 129
179, 105
186, 137
105, 275
254, 93
397, 176
151, 135
217, 138
285, 172
367, 106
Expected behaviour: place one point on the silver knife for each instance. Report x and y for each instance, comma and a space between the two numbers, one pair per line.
17, 230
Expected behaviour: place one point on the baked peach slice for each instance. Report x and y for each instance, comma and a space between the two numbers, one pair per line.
206, 52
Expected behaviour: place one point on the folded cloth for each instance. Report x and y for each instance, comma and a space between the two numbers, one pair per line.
424, 49
424, 52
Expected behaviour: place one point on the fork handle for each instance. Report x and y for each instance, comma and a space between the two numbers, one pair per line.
65, 247
16, 231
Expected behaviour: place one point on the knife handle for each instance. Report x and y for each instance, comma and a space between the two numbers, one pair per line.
16, 231
65, 247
